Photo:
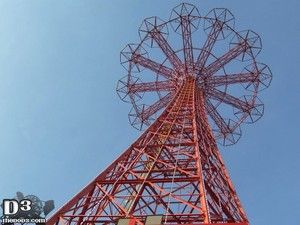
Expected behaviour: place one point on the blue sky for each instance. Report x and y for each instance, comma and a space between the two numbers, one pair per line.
61, 122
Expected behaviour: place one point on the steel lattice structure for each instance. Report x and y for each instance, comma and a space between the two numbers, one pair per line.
188, 93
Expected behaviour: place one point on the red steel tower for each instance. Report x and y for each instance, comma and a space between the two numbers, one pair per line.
182, 82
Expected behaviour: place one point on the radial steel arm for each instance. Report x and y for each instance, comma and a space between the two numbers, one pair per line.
167, 49
226, 58
213, 113
153, 66
151, 86
229, 99
187, 43
208, 45
220, 80
155, 107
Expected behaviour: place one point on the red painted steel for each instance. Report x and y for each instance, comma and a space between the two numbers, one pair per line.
174, 168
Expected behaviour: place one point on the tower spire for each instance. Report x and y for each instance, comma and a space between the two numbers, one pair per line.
174, 169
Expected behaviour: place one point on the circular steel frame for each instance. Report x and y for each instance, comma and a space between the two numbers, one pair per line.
157, 53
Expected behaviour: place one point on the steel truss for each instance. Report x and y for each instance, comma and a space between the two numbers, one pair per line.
174, 168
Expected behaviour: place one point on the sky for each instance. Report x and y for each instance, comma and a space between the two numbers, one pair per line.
62, 123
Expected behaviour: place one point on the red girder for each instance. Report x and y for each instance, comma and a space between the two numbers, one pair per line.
213, 113
208, 45
187, 43
151, 86
154, 66
155, 107
226, 58
167, 50
229, 99
219, 80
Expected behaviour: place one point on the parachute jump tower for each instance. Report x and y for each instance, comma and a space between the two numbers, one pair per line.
192, 81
